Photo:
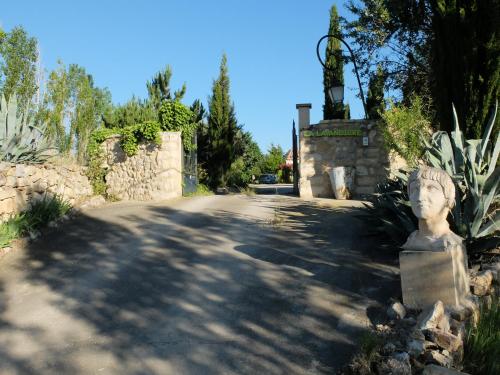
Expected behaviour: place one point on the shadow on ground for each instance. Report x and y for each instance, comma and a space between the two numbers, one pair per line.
211, 294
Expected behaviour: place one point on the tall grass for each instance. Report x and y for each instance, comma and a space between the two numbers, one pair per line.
482, 343
39, 214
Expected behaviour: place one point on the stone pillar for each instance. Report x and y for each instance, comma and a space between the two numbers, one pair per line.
304, 117
304, 123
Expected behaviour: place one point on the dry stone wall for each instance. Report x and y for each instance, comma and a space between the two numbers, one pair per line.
154, 173
23, 183
319, 154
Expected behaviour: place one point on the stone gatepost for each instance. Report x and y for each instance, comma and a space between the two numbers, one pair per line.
304, 110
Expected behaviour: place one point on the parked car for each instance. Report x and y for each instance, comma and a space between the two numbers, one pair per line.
267, 179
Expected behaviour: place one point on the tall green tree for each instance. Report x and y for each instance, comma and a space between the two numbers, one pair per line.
375, 104
334, 72
159, 88
273, 159
465, 52
18, 58
73, 108
222, 129
444, 51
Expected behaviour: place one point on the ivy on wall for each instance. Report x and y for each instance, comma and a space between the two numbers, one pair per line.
174, 116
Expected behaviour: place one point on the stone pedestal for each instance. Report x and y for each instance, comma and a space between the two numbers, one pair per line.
430, 276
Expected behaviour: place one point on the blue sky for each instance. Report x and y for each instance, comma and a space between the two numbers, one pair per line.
270, 47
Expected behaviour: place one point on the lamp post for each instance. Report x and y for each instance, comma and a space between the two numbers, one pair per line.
337, 92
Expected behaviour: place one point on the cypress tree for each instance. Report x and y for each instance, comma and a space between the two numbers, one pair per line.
375, 100
334, 72
222, 129
465, 61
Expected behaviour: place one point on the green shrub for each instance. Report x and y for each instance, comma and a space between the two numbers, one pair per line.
201, 189
404, 127
175, 116
38, 215
482, 342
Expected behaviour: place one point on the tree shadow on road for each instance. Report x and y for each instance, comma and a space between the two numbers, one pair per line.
218, 293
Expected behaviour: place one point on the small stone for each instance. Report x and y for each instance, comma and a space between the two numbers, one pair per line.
397, 364
430, 317
396, 311
439, 370
417, 347
481, 283
460, 313
436, 357
444, 323
494, 268
457, 328
443, 339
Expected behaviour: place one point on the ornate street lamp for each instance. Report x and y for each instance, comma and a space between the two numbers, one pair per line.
336, 92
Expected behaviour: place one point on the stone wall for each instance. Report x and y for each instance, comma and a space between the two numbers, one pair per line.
319, 154
22, 183
154, 173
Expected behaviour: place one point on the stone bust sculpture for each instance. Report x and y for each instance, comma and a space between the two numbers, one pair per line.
432, 195
434, 263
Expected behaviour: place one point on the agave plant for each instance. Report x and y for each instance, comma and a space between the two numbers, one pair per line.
472, 164
20, 140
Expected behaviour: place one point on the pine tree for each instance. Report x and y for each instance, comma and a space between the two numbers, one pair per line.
334, 72
222, 129
375, 104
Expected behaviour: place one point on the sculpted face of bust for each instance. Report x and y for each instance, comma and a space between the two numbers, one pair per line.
432, 195
427, 199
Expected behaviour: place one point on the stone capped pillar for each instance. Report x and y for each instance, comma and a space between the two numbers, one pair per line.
304, 115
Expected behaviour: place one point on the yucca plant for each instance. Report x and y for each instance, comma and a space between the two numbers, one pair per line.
20, 140
472, 164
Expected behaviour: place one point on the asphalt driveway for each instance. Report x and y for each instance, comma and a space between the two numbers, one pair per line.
209, 285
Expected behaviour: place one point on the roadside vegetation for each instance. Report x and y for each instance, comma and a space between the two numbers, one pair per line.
482, 342
38, 215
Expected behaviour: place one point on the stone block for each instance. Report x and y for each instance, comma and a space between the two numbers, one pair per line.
431, 316
7, 192
7, 206
481, 283
443, 339
430, 276
20, 170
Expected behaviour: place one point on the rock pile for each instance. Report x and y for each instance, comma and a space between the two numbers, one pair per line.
431, 341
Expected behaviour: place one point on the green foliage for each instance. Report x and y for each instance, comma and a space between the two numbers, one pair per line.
72, 99
222, 131
39, 214
473, 165
201, 190
159, 89
95, 173
465, 61
445, 51
135, 111
18, 58
482, 342
20, 140
273, 159
132, 135
334, 72
404, 128
175, 116
375, 105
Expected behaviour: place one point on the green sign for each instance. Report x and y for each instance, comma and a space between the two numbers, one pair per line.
333, 133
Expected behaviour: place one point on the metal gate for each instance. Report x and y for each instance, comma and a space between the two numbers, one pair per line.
189, 170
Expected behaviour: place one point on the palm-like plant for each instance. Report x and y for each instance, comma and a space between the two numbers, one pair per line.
20, 140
